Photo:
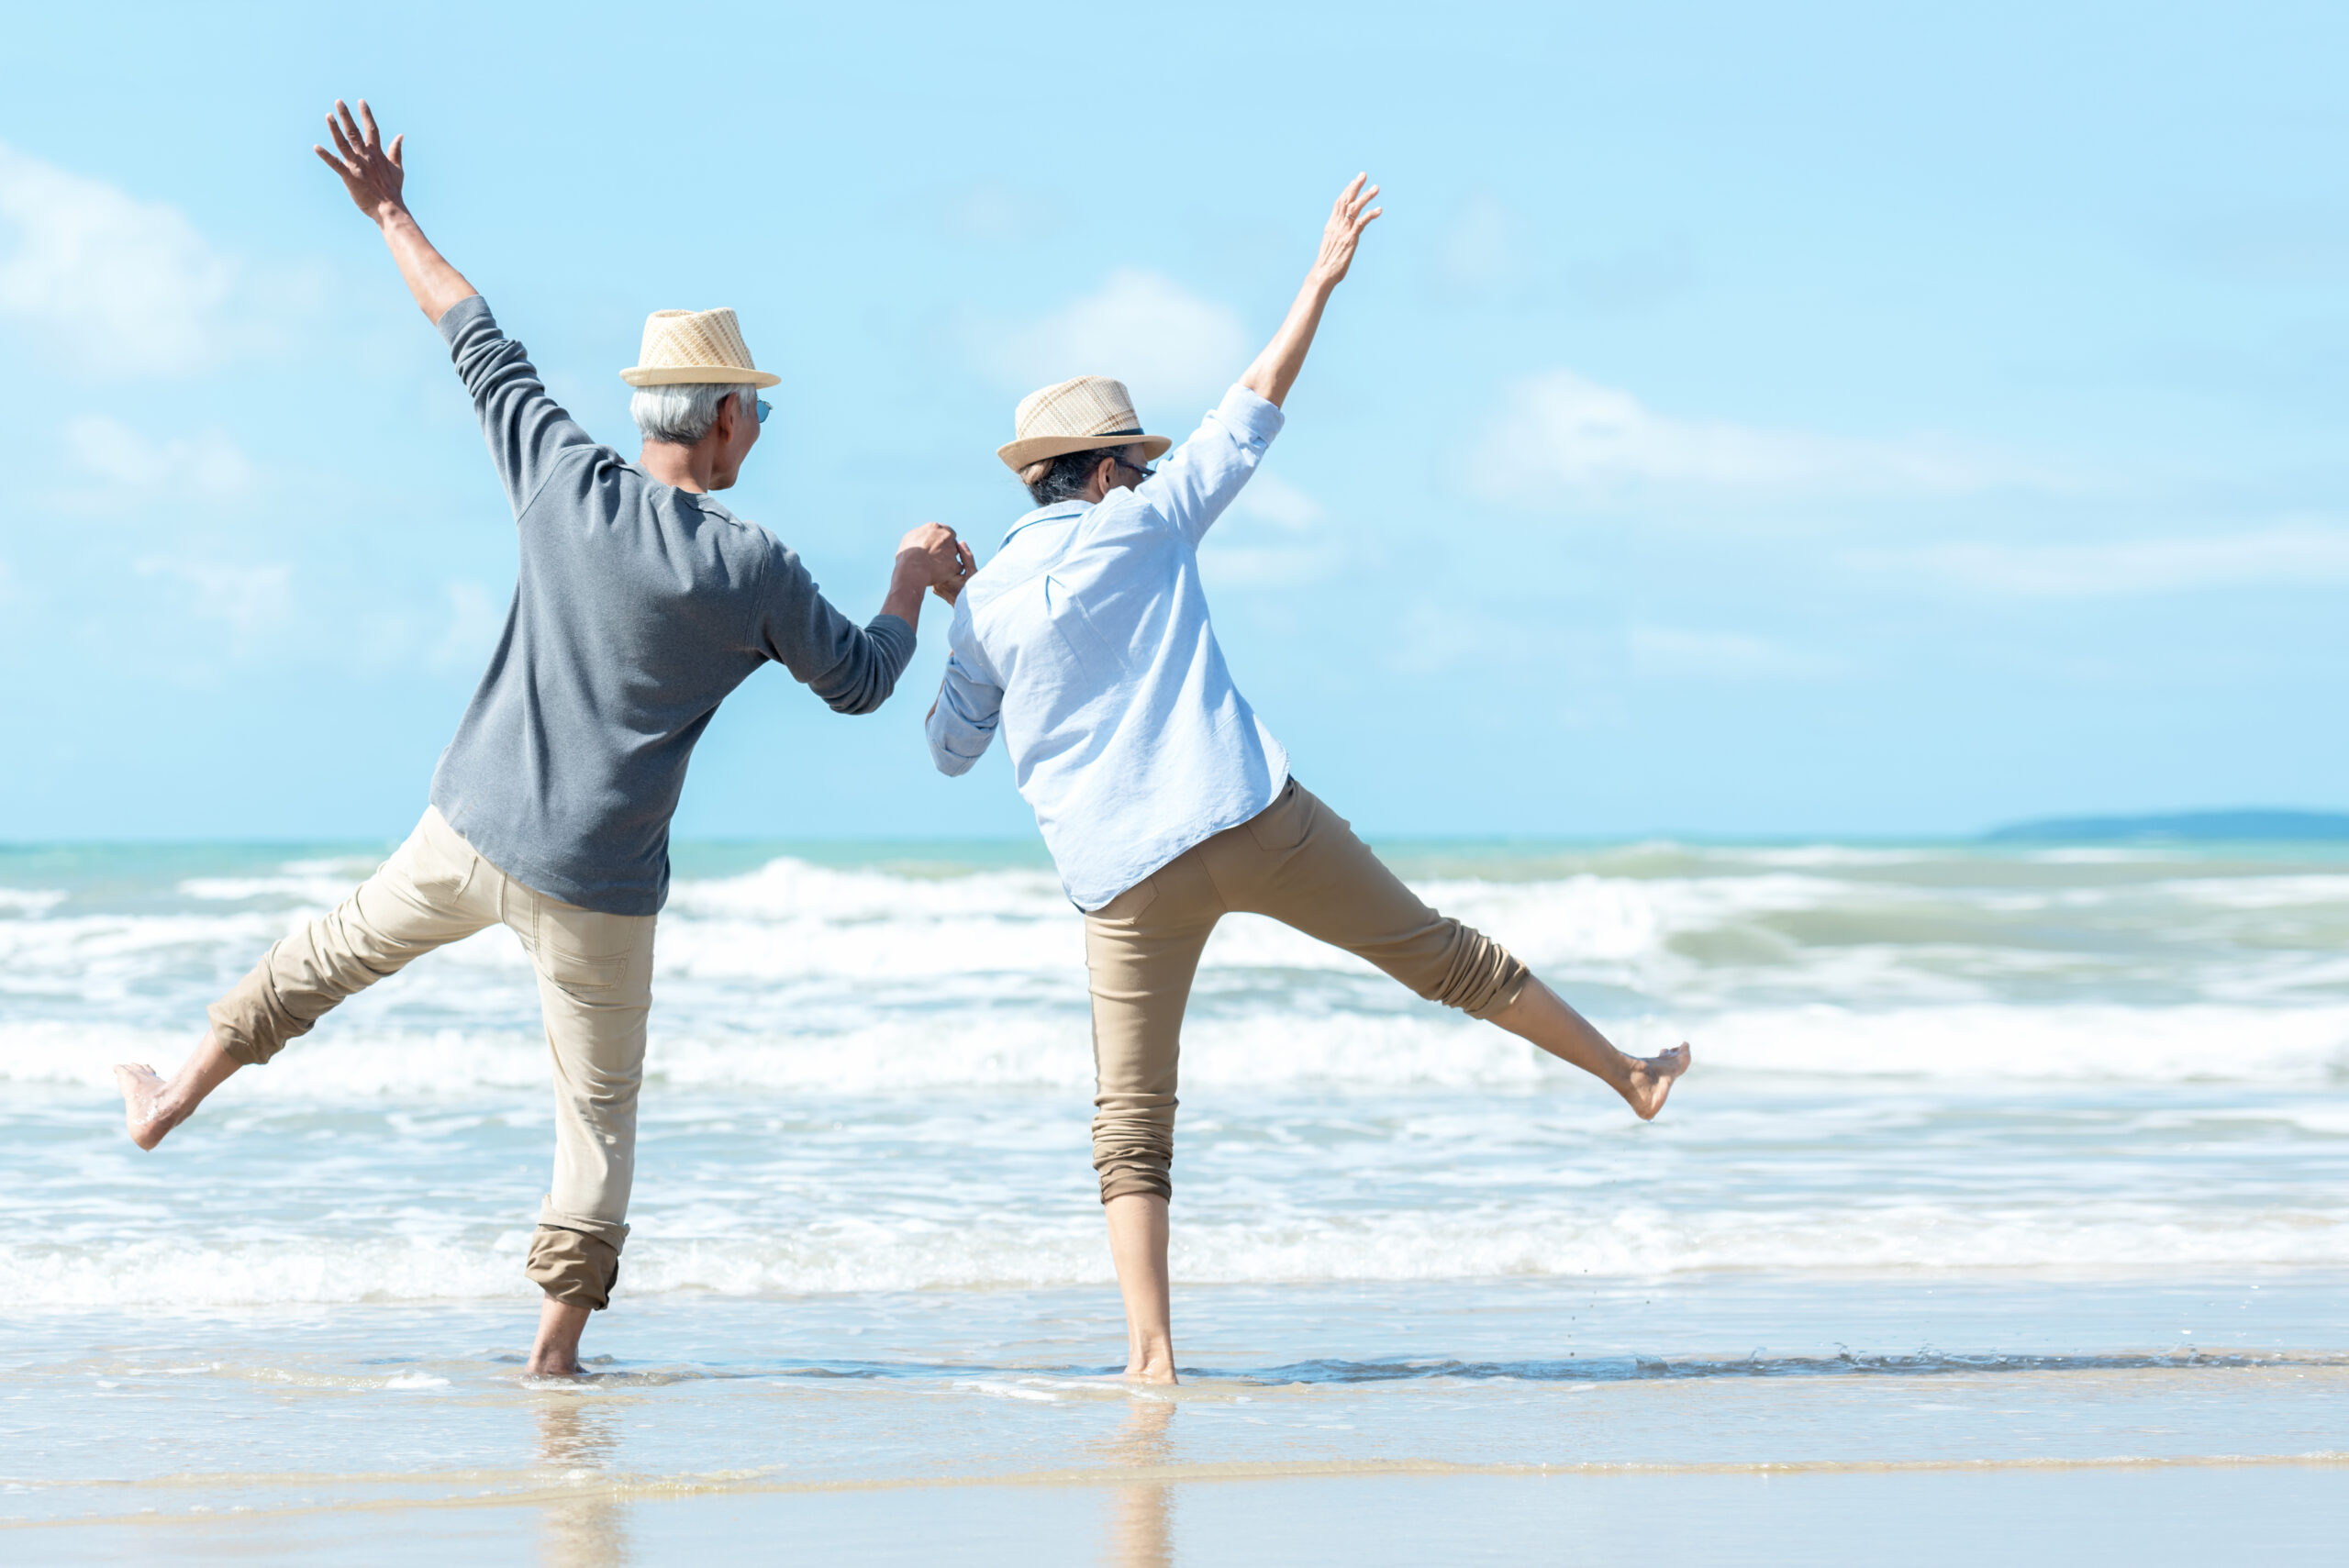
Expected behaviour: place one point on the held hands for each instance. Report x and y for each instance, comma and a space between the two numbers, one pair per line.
1341, 233
933, 557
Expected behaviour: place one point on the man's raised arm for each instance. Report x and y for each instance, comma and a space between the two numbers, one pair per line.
373, 174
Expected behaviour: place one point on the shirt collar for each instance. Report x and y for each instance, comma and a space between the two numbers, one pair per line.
1057, 511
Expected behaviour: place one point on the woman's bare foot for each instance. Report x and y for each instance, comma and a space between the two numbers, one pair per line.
1648, 1079
1152, 1372
143, 1111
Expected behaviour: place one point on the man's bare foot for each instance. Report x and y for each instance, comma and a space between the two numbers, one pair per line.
143, 1111
1151, 1372
1649, 1080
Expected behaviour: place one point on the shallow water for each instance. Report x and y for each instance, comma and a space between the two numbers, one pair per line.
1990, 1158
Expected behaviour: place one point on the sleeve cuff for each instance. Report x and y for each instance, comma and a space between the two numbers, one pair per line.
462, 315
1250, 417
894, 630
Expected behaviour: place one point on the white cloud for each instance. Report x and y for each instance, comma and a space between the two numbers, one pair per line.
1173, 350
1560, 434
1675, 651
1277, 502
106, 465
1266, 539
250, 600
110, 284
2304, 553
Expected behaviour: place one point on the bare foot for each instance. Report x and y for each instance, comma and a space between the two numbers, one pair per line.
555, 1352
1649, 1080
1155, 1373
142, 1104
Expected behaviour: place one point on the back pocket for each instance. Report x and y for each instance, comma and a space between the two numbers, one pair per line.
1282, 826
583, 950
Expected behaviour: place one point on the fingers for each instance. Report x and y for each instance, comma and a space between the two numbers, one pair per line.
342, 142
1347, 196
367, 123
328, 158
395, 153
342, 112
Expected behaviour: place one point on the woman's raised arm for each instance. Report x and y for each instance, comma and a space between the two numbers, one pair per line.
1276, 368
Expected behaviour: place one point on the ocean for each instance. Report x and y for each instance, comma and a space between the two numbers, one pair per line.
1995, 1161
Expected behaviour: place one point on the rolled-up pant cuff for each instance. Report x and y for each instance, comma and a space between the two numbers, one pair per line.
1129, 1176
574, 1261
251, 1023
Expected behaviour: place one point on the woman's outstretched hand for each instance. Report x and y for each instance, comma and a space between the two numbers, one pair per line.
1344, 231
370, 172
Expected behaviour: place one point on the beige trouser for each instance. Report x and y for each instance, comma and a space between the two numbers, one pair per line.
1298, 862
594, 990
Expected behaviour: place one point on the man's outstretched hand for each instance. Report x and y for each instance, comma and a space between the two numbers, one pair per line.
374, 176
370, 172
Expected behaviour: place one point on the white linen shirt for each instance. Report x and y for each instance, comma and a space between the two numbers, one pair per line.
1086, 640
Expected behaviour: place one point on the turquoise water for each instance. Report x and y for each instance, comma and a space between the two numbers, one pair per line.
1991, 1157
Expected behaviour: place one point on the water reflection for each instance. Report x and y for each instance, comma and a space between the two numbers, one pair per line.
576, 1441
1141, 1533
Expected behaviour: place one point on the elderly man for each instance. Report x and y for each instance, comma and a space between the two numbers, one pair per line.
641, 603
1166, 802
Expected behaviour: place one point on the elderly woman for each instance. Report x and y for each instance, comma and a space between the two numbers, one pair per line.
1166, 802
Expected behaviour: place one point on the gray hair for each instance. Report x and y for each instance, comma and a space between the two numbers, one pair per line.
683, 413
1063, 478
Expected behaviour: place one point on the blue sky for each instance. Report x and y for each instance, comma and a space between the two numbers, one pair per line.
1799, 419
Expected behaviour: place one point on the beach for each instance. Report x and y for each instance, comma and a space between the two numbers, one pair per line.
2004, 1211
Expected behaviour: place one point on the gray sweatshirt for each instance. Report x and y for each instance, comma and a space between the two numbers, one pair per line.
638, 608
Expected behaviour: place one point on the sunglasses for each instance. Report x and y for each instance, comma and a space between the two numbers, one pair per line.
765, 409
1135, 468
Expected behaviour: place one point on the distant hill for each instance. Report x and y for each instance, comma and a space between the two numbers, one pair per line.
2184, 827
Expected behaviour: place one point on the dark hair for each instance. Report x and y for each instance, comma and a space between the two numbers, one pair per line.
1067, 475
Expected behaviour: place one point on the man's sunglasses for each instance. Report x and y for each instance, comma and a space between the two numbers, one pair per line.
1135, 468
765, 409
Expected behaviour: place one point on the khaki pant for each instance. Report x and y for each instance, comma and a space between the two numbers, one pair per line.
1299, 863
594, 990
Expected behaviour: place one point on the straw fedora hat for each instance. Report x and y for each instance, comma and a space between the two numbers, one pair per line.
1081, 416
694, 346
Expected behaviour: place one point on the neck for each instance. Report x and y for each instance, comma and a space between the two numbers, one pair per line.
687, 468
